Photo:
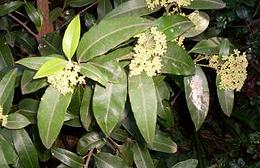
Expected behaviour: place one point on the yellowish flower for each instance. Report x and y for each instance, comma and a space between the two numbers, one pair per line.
163, 3
3, 118
65, 81
179, 40
150, 47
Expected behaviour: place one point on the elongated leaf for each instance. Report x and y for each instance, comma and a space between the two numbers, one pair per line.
206, 4
68, 158
79, 3
7, 85
34, 62
51, 115
90, 141
120, 135
55, 13
108, 104
142, 157
30, 85
107, 160
85, 113
104, 7
131, 8
29, 107
6, 58
16, 121
163, 143
25, 149
9, 7
190, 163
35, 15
207, 47
51, 44
50, 67
71, 37
143, 100
3, 161
173, 26
177, 61
197, 96
108, 34
224, 47
8, 153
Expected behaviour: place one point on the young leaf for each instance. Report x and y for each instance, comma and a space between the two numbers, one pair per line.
50, 67
108, 34
108, 104
107, 160
143, 100
25, 149
142, 157
51, 115
163, 143
85, 113
34, 62
197, 96
206, 4
6, 58
35, 15
71, 37
16, 121
68, 158
190, 163
9, 7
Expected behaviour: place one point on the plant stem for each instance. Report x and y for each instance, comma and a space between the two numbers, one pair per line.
198, 148
90, 153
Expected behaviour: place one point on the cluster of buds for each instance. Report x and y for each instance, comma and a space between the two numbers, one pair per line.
3, 118
150, 46
163, 3
65, 81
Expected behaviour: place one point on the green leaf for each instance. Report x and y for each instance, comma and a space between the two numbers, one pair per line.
163, 143
50, 67
79, 3
107, 160
34, 62
25, 149
173, 26
35, 15
71, 37
16, 121
108, 34
197, 96
85, 113
225, 99
3, 161
29, 107
104, 7
68, 158
201, 22
8, 153
90, 141
142, 157
224, 47
55, 14
131, 8
7, 85
51, 115
206, 4
190, 163
30, 85
108, 104
177, 61
120, 135
51, 44
208, 47
26, 41
6, 58
143, 100
10, 7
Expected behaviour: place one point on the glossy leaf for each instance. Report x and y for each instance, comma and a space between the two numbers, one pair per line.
51, 115
16, 121
206, 4
107, 160
85, 107
6, 58
79, 3
35, 15
29, 107
104, 7
3, 161
34, 62
143, 101
50, 67
10, 7
55, 14
163, 143
108, 104
173, 25
8, 154
177, 61
197, 96
142, 157
207, 47
68, 158
25, 149
224, 47
26, 41
108, 34
120, 135
90, 141
71, 37
190, 163
131, 8
51, 44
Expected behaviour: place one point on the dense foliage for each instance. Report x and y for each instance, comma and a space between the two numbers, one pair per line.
130, 83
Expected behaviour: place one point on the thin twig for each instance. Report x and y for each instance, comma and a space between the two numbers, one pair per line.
90, 153
175, 98
22, 24
257, 8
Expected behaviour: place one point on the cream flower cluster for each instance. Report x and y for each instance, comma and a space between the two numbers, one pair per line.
151, 45
3, 118
65, 81
179, 41
231, 70
163, 3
